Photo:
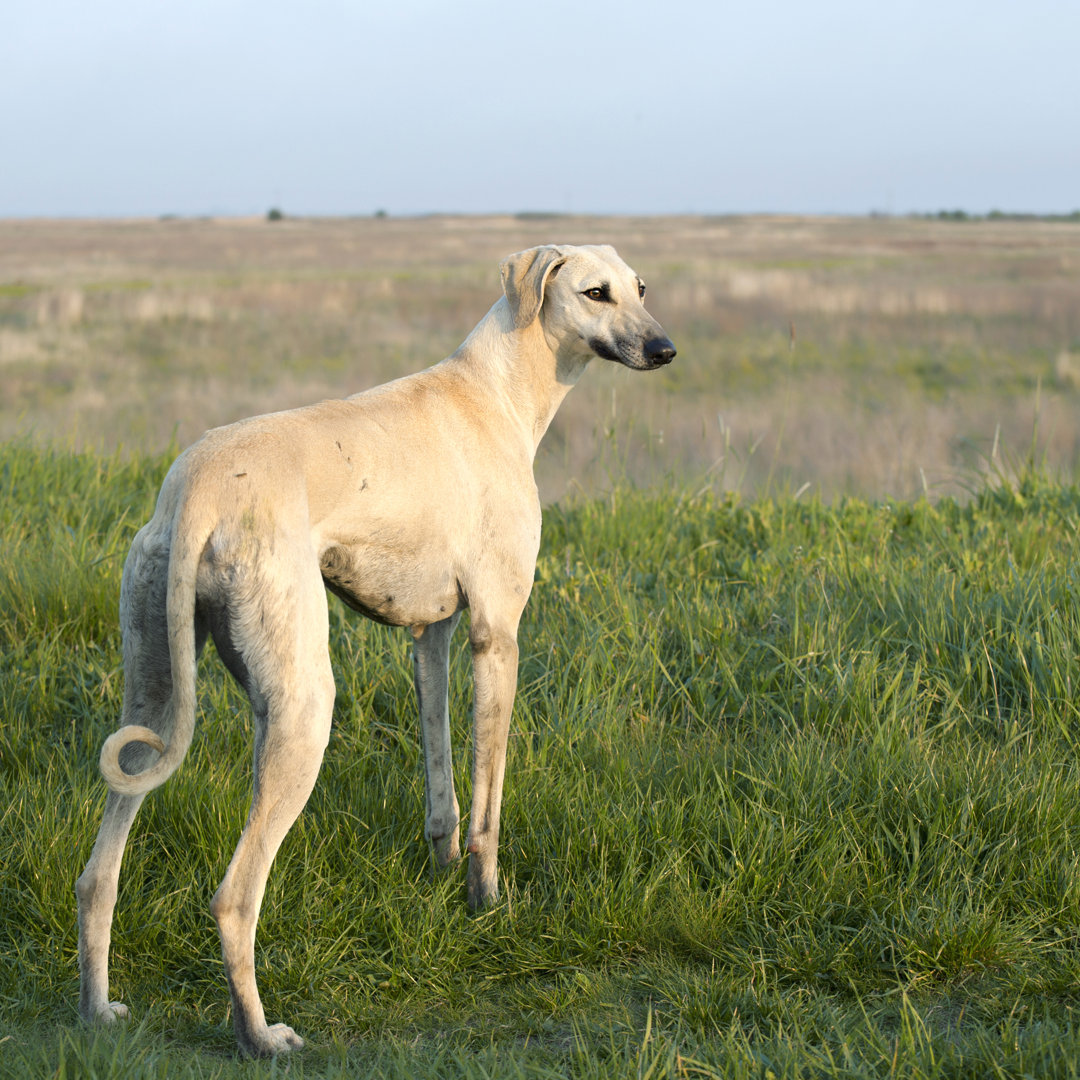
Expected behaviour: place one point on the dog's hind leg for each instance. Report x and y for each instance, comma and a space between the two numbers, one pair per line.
431, 671
96, 890
147, 689
281, 640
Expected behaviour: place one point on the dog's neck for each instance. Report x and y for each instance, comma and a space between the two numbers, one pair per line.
519, 368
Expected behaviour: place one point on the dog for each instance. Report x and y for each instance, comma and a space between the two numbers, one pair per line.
411, 502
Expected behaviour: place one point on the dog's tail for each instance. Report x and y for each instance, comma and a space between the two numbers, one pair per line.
187, 547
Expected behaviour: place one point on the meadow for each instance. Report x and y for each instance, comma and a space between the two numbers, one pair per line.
880, 357
792, 782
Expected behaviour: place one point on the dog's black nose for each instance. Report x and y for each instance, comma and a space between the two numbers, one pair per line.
659, 351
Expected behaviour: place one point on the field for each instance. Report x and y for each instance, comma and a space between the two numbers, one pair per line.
876, 357
792, 785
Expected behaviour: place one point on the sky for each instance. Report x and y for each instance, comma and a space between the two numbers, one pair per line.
323, 107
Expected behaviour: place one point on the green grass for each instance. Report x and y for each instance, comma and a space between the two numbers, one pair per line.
792, 792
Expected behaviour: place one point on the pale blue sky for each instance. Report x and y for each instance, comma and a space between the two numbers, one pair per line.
324, 107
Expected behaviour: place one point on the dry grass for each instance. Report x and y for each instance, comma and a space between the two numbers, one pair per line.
915, 342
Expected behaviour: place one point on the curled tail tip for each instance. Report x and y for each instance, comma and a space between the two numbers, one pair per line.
131, 783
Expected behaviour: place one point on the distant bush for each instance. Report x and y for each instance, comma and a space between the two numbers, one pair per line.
274, 214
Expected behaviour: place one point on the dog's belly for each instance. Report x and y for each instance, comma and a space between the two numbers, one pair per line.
391, 588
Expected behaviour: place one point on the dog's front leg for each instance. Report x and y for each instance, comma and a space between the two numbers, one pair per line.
495, 656
431, 672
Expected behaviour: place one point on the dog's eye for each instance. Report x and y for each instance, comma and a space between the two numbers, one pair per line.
597, 293
641, 289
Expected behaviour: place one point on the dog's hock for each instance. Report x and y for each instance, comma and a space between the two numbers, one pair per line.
524, 276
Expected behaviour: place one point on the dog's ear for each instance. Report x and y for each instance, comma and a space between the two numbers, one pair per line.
524, 277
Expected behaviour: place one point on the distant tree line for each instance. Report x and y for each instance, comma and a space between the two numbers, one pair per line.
998, 215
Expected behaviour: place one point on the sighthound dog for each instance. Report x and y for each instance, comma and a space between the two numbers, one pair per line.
411, 502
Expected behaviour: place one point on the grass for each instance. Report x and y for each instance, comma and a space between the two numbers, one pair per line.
792, 791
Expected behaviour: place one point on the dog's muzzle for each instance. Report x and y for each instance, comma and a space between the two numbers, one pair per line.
658, 351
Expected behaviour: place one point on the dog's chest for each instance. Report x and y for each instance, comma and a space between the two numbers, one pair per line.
396, 588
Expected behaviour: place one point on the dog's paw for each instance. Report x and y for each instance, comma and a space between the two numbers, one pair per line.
283, 1039
273, 1040
106, 1014
483, 885
117, 1010
447, 850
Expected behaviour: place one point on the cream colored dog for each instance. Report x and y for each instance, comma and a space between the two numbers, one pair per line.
411, 502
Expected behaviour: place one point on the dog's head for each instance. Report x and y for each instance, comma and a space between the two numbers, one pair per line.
589, 302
